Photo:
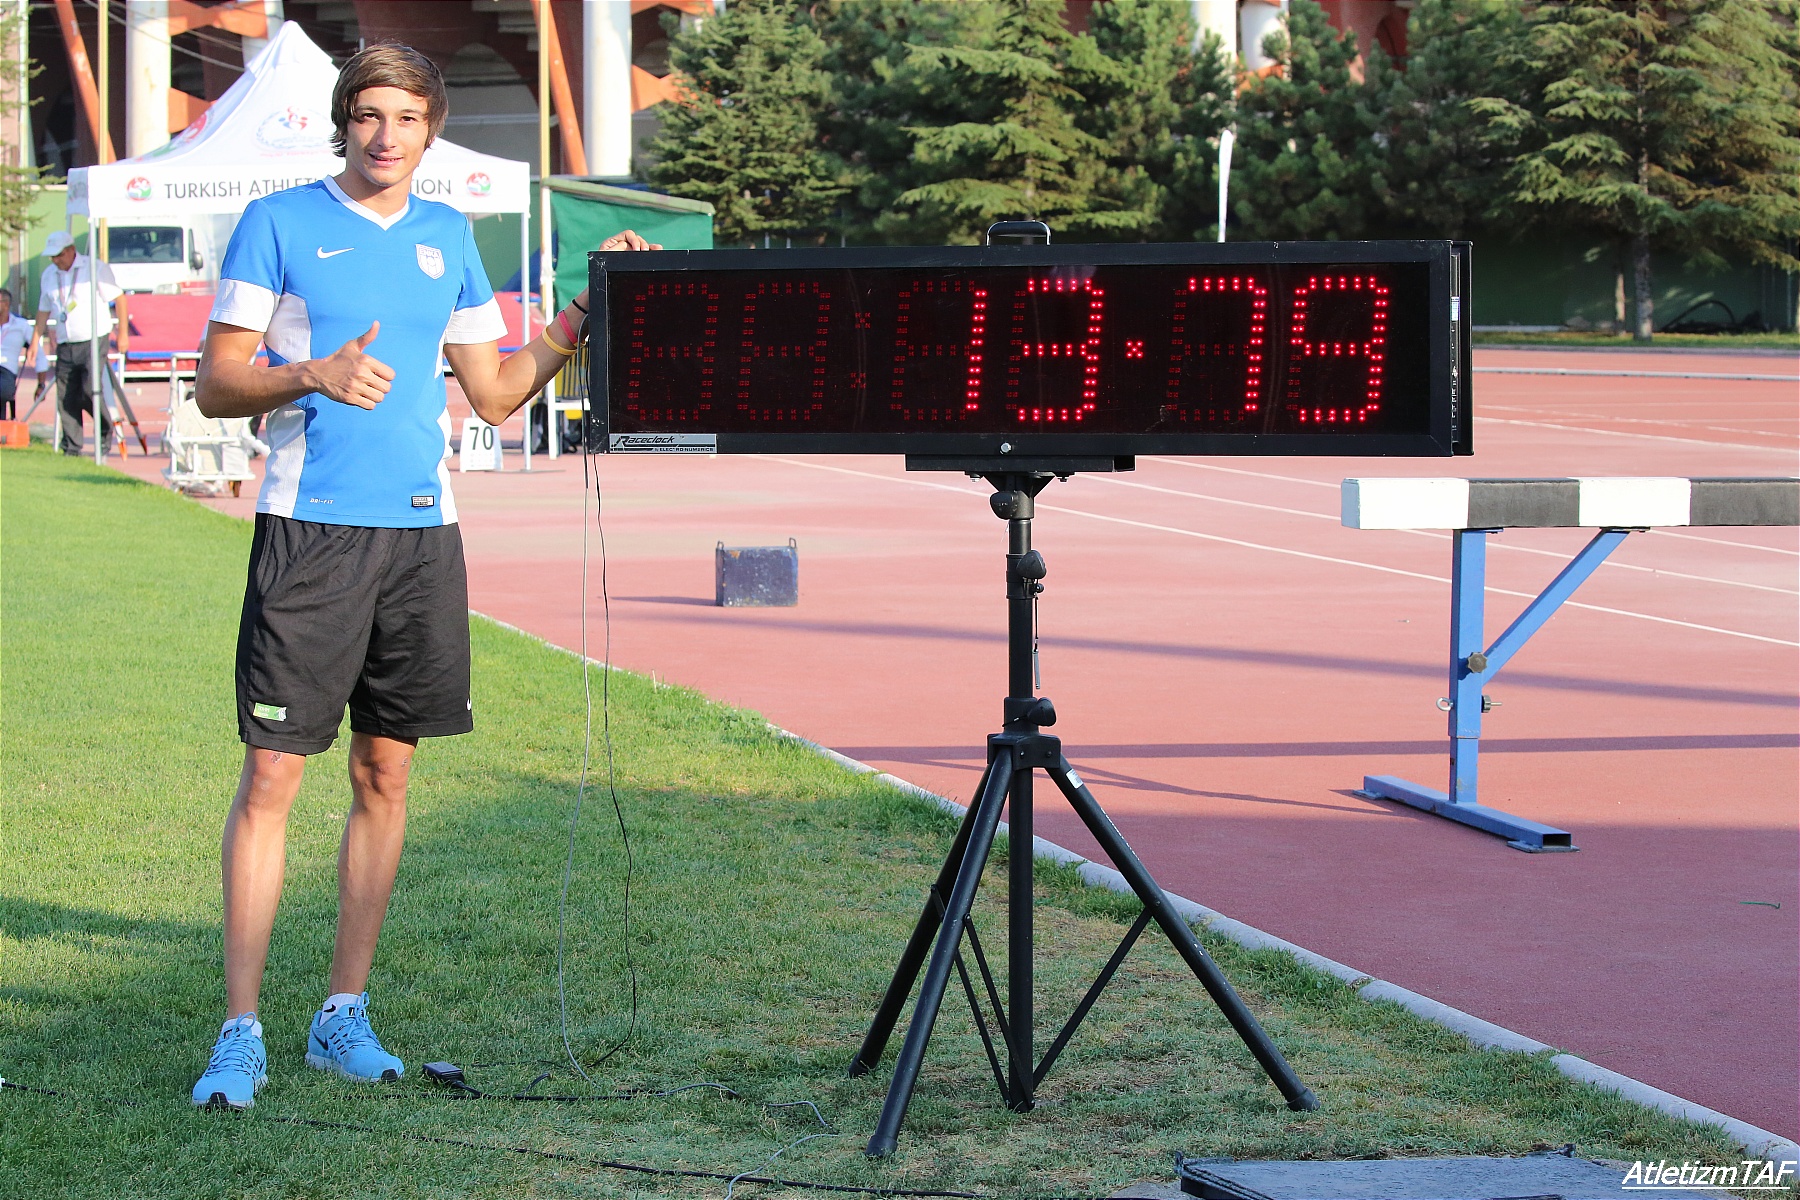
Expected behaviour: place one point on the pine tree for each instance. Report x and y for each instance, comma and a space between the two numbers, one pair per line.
875, 99
1665, 123
1307, 163
1443, 161
745, 135
18, 182
1015, 150
1159, 114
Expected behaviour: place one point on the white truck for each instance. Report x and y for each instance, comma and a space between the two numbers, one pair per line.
168, 256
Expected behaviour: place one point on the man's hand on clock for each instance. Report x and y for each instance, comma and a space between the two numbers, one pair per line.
352, 376
628, 240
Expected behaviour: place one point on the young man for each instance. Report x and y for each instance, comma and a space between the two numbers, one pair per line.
356, 591
15, 335
67, 318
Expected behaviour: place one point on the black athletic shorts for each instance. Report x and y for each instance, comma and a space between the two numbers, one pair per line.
336, 614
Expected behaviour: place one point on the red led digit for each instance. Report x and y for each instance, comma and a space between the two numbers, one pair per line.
1076, 332
769, 389
977, 339
1218, 317
932, 332
679, 386
1336, 319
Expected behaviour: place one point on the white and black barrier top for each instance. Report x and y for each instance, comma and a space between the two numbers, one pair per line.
1615, 503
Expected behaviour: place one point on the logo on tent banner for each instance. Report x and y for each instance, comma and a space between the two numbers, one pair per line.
431, 260
190, 134
293, 129
480, 184
138, 188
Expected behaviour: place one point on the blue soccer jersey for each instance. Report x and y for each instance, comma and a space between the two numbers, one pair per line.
311, 269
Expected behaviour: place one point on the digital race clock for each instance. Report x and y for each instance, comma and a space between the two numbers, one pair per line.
979, 353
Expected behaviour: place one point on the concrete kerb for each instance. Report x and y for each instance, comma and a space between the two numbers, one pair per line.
1485, 1034
1759, 1142
1482, 1033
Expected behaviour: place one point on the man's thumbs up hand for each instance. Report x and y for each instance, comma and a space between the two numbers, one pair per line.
353, 376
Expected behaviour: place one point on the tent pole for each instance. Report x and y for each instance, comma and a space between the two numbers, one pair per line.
93, 376
525, 306
542, 13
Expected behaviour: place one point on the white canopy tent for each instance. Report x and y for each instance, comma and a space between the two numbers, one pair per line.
271, 130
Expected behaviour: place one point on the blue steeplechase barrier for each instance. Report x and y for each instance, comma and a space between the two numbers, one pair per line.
1475, 508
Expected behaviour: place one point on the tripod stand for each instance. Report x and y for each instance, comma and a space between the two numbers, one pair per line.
1014, 755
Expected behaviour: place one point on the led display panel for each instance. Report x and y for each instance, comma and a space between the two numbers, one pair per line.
1303, 348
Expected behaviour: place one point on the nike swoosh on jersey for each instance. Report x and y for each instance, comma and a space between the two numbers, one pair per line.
323, 253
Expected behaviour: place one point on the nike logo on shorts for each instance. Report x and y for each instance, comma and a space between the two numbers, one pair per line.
323, 253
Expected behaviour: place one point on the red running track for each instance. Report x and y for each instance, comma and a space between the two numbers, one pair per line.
1228, 662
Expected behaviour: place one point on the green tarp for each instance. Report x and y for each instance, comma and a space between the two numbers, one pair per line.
586, 214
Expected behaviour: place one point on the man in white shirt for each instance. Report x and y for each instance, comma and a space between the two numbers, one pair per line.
15, 335
67, 314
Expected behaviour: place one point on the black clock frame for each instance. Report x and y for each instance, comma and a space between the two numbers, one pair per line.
1447, 375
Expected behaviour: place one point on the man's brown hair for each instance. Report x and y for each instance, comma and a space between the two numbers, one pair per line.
388, 65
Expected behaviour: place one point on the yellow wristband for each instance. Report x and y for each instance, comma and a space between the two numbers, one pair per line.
545, 338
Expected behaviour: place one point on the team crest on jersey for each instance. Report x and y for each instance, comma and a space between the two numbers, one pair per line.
431, 260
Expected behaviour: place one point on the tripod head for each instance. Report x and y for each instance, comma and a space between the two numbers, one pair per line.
1015, 502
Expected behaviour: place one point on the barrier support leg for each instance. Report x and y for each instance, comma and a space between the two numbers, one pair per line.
1470, 670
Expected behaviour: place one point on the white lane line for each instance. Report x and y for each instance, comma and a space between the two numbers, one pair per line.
1350, 562
1151, 487
1213, 537
1638, 402
1625, 433
1444, 537
1632, 374
906, 479
1694, 537
1666, 422
1203, 466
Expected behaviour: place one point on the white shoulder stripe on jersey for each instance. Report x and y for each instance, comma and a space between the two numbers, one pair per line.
479, 323
246, 305
289, 331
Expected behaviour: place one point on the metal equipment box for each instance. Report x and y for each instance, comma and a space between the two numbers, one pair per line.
757, 576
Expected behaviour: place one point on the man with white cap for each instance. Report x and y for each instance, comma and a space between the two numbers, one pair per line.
67, 314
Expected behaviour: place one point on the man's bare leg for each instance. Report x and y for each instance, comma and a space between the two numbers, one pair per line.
369, 856
253, 860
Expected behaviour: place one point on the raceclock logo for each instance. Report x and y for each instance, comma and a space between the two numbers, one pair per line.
1750, 1174
664, 443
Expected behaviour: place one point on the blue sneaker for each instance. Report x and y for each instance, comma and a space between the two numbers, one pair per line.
238, 1069
343, 1042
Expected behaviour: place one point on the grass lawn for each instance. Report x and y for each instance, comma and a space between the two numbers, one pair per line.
1623, 341
773, 891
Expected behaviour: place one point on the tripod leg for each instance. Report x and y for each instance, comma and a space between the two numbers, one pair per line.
1019, 949
913, 957
1298, 1096
943, 955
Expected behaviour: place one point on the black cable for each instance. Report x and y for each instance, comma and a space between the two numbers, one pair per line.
590, 477
530, 1152
461, 1090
